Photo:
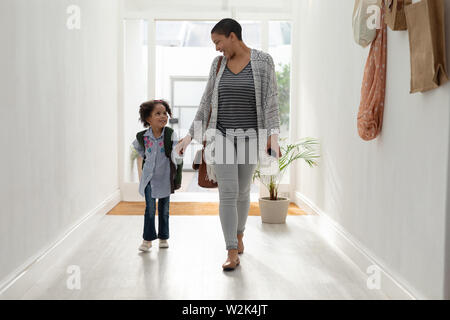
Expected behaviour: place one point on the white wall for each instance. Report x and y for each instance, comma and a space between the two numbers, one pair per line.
135, 90
58, 121
391, 193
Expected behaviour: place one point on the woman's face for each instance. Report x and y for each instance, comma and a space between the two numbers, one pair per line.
223, 44
158, 117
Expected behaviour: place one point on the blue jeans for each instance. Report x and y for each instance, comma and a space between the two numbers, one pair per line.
149, 217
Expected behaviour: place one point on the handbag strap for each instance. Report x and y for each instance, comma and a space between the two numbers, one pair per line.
217, 71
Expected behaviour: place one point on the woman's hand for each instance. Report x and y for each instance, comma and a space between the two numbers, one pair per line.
275, 147
183, 144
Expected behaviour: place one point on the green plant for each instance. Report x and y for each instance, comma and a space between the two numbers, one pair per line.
283, 82
305, 149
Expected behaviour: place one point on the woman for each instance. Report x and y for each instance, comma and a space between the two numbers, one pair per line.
243, 95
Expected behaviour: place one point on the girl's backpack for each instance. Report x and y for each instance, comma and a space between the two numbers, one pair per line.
176, 172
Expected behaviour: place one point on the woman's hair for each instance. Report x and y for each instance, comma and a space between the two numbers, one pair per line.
226, 26
146, 109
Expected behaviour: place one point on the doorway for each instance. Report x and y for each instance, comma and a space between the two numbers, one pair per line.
170, 59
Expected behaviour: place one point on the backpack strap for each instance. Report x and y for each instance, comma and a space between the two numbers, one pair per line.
176, 172
140, 139
168, 141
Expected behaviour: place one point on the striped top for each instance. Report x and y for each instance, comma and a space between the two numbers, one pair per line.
237, 101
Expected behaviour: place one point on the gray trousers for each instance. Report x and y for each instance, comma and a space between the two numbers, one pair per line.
234, 178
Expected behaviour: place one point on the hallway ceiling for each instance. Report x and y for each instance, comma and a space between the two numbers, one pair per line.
257, 6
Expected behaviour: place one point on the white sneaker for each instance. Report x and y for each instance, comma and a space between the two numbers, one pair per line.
145, 246
163, 243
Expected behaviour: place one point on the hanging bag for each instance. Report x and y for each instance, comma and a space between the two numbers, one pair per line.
362, 33
370, 115
201, 165
426, 28
395, 13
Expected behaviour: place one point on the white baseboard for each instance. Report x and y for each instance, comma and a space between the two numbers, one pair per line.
14, 285
337, 236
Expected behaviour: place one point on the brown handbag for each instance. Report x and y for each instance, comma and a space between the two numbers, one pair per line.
395, 14
199, 159
426, 29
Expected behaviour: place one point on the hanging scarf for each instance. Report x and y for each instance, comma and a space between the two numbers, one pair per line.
370, 115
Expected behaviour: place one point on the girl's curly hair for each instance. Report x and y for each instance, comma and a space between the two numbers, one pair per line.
146, 109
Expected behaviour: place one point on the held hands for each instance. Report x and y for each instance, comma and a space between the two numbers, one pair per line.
183, 144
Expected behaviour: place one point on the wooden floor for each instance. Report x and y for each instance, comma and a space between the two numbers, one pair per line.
287, 261
191, 209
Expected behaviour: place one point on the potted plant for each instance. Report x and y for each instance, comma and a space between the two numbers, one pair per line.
274, 209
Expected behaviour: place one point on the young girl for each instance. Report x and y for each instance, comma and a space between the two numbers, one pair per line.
155, 180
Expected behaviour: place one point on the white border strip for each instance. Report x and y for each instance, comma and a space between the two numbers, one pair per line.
356, 252
29, 270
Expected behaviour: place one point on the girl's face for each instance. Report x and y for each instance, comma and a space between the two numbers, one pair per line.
158, 118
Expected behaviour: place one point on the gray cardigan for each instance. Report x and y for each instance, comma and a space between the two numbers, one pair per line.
266, 92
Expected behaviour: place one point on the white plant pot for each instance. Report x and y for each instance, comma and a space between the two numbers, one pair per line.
273, 211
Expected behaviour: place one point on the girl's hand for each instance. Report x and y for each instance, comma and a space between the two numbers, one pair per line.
183, 144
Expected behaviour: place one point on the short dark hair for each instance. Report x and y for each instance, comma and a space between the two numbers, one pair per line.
226, 26
146, 109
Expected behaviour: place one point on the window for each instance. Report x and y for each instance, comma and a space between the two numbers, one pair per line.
280, 50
